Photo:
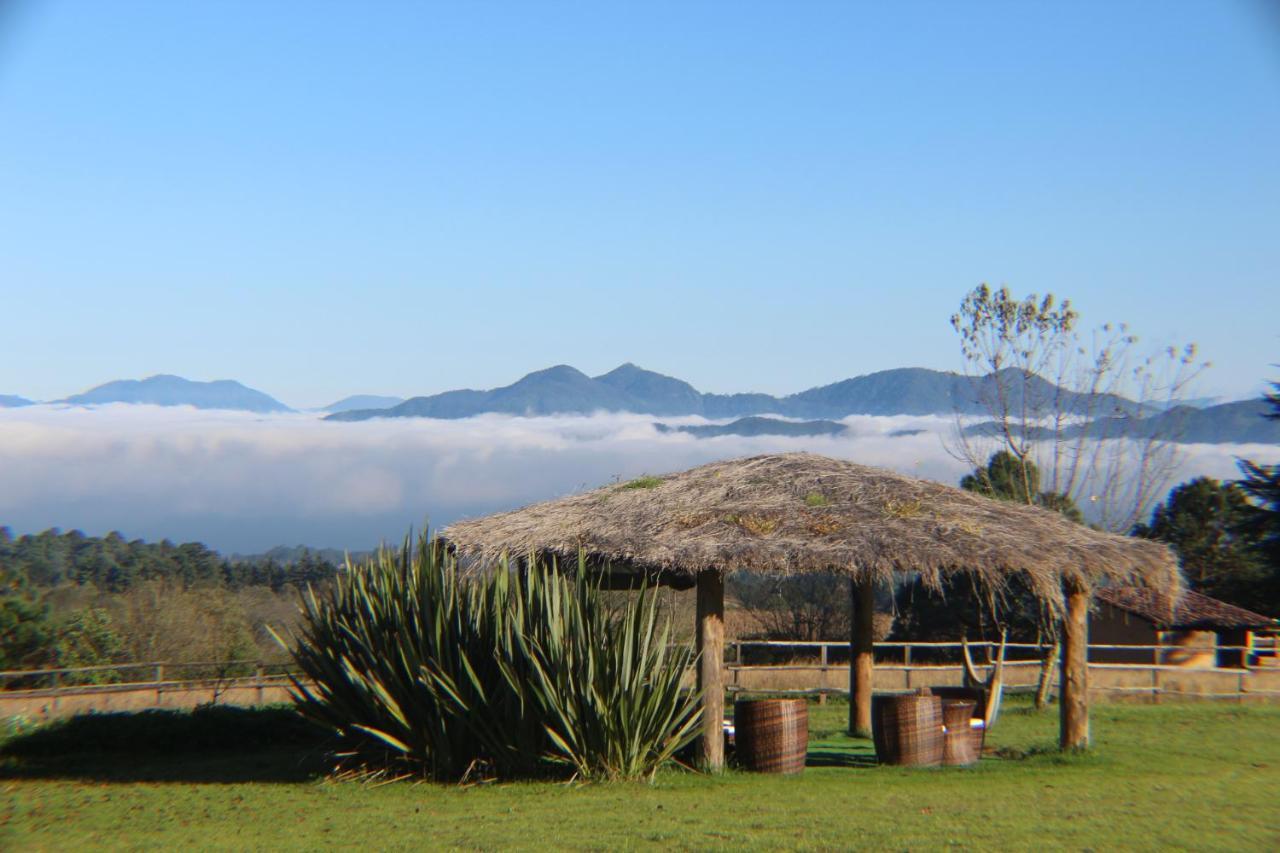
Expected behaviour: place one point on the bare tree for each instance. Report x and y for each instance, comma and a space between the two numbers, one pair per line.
800, 607
1087, 410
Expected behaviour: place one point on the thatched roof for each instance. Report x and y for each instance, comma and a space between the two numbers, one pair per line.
799, 512
1192, 611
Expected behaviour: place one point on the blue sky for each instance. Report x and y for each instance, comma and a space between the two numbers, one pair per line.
320, 199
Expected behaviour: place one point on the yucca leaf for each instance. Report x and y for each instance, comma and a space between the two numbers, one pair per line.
394, 743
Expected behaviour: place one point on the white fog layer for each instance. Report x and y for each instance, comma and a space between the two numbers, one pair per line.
243, 483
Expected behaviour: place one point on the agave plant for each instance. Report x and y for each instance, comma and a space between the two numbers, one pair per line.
608, 685
363, 645
421, 671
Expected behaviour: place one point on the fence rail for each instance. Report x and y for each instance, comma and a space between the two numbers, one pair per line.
796, 668
164, 671
148, 672
909, 652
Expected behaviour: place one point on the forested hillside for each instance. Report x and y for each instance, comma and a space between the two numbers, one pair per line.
113, 564
71, 600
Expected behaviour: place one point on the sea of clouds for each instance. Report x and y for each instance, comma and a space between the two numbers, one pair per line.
244, 483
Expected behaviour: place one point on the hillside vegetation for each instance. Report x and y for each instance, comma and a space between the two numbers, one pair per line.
71, 600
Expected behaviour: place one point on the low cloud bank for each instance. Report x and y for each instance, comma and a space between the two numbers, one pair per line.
244, 483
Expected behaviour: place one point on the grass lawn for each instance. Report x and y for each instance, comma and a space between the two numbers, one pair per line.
1171, 776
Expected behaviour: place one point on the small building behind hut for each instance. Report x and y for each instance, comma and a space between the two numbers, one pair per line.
1199, 632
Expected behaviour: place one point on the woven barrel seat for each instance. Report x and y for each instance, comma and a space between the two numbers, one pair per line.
772, 735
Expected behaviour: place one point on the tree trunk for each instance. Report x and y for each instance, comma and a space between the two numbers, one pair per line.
1073, 686
861, 655
711, 668
1046, 675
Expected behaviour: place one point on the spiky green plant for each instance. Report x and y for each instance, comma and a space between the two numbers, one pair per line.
362, 646
608, 685
422, 672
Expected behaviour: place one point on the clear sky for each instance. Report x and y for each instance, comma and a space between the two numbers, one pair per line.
322, 198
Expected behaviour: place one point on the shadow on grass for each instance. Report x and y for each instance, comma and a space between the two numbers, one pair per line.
209, 744
839, 758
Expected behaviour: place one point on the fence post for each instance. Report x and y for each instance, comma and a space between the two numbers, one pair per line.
906, 655
159, 673
824, 660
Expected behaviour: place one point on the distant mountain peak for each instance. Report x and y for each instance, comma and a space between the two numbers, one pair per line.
363, 401
624, 369
556, 371
630, 371
166, 389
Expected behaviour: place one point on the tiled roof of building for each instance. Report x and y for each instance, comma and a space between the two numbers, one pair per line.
1193, 610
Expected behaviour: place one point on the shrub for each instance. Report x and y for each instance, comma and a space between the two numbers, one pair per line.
645, 482
422, 672
87, 639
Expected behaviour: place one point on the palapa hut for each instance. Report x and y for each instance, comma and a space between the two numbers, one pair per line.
798, 512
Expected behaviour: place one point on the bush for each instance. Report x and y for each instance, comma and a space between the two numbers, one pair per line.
422, 672
87, 639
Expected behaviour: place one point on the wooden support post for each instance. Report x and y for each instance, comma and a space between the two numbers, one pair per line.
861, 655
711, 668
1073, 689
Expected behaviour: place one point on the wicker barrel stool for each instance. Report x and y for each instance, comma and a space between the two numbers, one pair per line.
907, 729
772, 735
959, 747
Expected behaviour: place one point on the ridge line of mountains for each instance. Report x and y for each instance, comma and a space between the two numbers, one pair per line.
564, 390
167, 390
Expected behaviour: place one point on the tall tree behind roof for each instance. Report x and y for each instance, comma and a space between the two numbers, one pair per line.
1116, 466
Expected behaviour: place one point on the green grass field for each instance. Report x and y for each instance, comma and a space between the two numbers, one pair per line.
1173, 776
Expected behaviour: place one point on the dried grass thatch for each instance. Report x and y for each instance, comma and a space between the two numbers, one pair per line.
798, 512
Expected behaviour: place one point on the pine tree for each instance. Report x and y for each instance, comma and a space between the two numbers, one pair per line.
1262, 483
1211, 527
1009, 478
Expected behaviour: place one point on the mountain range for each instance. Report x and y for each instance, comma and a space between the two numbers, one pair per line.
12, 401
166, 390
757, 425
1241, 422
565, 390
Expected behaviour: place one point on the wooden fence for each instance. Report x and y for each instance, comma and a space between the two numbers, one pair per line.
752, 666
